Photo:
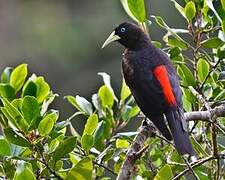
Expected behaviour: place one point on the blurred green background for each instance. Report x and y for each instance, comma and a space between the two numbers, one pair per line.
61, 40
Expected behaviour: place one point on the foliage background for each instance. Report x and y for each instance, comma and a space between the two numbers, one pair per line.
62, 40
35, 142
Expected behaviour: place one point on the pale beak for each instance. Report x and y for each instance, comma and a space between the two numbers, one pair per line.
112, 37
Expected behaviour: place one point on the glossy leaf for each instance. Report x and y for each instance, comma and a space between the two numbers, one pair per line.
24, 172
91, 124
212, 43
203, 69
190, 10
137, 7
186, 75
5, 77
16, 117
30, 108
106, 96
64, 148
82, 170
164, 173
43, 89
18, 76
125, 91
99, 131
87, 141
5, 149
207, 91
106, 79
7, 91
223, 4
127, 9
210, 5
120, 143
15, 138
29, 89
45, 126
179, 8
80, 104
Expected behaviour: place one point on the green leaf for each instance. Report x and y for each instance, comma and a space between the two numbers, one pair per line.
190, 10
164, 173
106, 79
29, 89
186, 75
137, 7
47, 102
186, 104
87, 141
125, 91
5, 149
210, 5
171, 32
30, 108
84, 105
203, 69
43, 89
45, 126
18, 77
179, 8
174, 42
16, 117
127, 9
64, 148
99, 131
15, 138
223, 25
90, 126
5, 77
106, 96
80, 104
7, 91
120, 143
214, 42
134, 111
207, 91
223, 4
82, 170
24, 172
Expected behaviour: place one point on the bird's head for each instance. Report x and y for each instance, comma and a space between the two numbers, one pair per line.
129, 35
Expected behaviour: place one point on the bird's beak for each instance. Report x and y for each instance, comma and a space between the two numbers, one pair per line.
112, 37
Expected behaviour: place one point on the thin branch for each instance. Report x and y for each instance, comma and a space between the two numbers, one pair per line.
210, 72
127, 168
105, 167
193, 165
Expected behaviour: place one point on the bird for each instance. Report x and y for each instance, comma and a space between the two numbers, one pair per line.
154, 84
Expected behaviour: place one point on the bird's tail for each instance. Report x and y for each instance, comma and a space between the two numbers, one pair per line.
178, 127
159, 122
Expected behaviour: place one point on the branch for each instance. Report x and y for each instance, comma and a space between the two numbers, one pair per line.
193, 165
136, 150
147, 130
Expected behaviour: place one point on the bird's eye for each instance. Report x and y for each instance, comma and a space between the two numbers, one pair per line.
123, 29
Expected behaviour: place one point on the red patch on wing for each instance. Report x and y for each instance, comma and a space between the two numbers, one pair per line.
161, 74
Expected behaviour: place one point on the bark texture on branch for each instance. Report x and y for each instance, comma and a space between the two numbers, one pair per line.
148, 130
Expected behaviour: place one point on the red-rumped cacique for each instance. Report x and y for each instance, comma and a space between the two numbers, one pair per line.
154, 84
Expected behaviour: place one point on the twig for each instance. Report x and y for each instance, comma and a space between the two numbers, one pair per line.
105, 167
135, 151
191, 169
210, 72
193, 165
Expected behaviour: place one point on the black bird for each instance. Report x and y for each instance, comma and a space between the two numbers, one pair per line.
154, 84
